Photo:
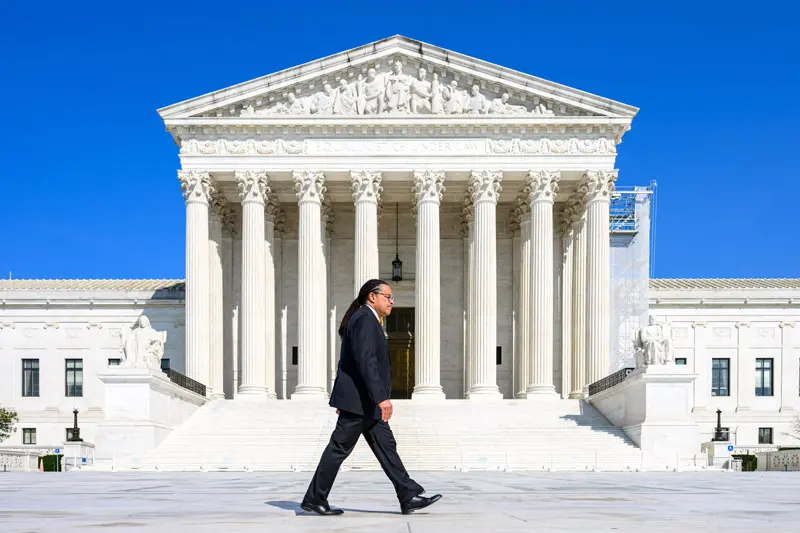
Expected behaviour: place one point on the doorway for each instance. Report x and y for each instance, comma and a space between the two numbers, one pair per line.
399, 328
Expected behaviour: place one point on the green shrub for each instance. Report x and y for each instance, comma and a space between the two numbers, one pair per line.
50, 464
749, 462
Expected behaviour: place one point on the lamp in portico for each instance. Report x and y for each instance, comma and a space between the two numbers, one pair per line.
397, 264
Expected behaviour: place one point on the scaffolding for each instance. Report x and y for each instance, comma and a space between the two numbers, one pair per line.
632, 234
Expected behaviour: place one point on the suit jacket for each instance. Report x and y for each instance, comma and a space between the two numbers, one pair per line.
364, 377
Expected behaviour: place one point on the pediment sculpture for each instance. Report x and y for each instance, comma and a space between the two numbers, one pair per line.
653, 344
396, 93
143, 346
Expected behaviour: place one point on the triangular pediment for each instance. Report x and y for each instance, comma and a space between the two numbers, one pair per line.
394, 77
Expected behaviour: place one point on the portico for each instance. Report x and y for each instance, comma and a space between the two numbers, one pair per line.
491, 186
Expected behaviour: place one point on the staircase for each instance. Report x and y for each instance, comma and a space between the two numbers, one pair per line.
452, 435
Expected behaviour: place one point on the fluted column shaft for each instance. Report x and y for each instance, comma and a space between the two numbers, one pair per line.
196, 187
524, 306
269, 299
216, 312
578, 305
311, 287
599, 185
228, 350
485, 188
366, 187
566, 304
544, 185
253, 191
428, 189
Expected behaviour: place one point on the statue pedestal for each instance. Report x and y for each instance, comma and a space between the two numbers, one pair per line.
718, 454
653, 407
142, 407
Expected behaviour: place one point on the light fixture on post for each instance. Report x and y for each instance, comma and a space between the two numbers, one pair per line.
76, 432
397, 265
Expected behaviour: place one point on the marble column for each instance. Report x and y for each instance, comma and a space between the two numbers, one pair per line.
544, 186
197, 188
565, 230
366, 187
466, 233
524, 293
271, 210
280, 308
428, 188
326, 228
579, 388
229, 339
485, 188
513, 228
219, 207
253, 192
311, 346
599, 185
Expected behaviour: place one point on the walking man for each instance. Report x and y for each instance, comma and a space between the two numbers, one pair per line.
361, 397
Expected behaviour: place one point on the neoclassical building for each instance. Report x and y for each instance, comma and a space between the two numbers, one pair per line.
489, 184
489, 201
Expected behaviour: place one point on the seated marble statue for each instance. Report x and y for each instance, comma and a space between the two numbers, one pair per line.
653, 344
143, 347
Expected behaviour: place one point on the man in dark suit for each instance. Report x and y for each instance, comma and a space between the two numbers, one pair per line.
361, 397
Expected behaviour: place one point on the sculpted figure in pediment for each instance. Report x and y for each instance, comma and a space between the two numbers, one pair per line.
476, 103
454, 99
370, 94
501, 106
345, 100
437, 104
421, 93
397, 95
322, 102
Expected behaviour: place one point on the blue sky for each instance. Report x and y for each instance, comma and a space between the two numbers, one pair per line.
89, 174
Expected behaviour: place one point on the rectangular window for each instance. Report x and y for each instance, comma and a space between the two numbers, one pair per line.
720, 375
763, 377
114, 362
28, 435
499, 355
680, 361
765, 435
294, 355
30, 377
73, 384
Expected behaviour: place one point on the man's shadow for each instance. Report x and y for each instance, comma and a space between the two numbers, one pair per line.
295, 506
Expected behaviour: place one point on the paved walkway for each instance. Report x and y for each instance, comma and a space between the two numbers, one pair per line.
480, 502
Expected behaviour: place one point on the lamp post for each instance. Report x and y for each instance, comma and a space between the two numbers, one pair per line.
397, 265
718, 429
76, 432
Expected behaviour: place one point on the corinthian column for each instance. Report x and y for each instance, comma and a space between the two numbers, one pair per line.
468, 243
216, 318
565, 229
428, 189
197, 188
485, 189
578, 375
271, 211
544, 185
366, 187
599, 185
253, 191
309, 187
524, 293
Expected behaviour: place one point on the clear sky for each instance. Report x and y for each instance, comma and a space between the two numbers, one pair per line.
89, 174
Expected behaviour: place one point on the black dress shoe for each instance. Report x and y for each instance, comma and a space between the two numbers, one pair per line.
323, 509
418, 502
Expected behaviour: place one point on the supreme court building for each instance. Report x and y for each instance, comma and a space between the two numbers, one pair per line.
490, 186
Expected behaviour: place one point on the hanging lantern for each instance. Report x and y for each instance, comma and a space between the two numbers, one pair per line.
397, 265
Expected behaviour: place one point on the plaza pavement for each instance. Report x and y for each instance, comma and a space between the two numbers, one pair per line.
648, 502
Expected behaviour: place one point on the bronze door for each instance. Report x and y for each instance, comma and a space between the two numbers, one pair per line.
399, 327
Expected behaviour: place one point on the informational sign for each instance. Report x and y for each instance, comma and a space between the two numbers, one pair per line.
58, 451
730, 447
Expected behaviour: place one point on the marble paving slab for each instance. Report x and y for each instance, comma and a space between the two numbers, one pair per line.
473, 502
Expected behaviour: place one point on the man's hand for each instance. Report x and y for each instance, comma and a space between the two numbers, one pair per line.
386, 410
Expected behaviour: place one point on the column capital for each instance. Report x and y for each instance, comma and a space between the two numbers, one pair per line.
252, 186
566, 220
467, 214
223, 211
598, 184
513, 222
428, 186
524, 203
543, 185
272, 209
196, 186
309, 186
484, 185
327, 215
366, 185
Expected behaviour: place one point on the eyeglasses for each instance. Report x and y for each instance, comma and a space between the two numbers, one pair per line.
388, 297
